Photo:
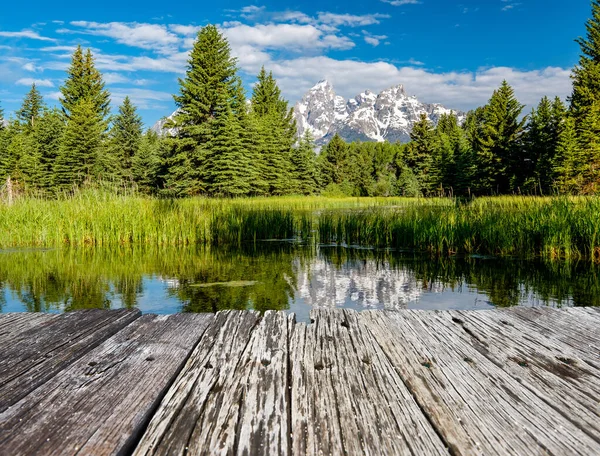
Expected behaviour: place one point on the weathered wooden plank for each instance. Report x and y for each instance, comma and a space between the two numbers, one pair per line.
589, 313
578, 332
13, 324
42, 351
475, 405
554, 372
103, 401
198, 415
347, 397
262, 423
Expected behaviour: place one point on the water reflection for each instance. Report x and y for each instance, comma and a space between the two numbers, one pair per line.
282, 276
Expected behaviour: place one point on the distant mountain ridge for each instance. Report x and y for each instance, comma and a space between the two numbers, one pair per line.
387, 116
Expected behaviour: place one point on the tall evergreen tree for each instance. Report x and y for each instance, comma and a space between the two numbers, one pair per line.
586, 76
277, 131
47, 137
334, 161
541, 140
31, 109
227, 170
304, 172
125, 137
210, 73
81, 146
419, 153
589, 143
84, 81
569, 163
145, 162
499, 156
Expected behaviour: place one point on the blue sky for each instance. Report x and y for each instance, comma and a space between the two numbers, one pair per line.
451, 52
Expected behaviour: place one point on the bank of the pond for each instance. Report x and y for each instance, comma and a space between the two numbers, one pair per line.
522, 226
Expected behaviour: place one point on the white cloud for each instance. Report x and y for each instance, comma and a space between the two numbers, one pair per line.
29, 66
372, 40
350, 20
185, 30
115, 78
458, 90
37, 82
30, 34
401, 2
291, 37
69, 49
141, 98
146, 36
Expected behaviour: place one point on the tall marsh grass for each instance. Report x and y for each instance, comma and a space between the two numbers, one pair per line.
518, 226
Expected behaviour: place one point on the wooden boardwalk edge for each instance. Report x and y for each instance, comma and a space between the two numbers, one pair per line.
503, 381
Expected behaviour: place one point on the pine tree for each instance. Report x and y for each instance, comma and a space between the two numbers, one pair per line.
227, 169
81, 146
125, 137
333, 161
145, 162
304, 171
541, 142
568, 165
589, 143
31, 109
84, 81
210, 73
47, 137
586, 76
419, 153
277, 132
499, 153
9, 154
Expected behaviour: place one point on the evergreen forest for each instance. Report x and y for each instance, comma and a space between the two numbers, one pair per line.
224, 143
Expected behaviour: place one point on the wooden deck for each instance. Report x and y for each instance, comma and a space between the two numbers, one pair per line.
520, 381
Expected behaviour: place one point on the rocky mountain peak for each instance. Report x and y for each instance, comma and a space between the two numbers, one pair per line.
389, 115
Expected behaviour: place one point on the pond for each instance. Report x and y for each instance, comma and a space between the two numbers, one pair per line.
286, 276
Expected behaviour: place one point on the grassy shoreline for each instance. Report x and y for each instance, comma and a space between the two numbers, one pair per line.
565, 227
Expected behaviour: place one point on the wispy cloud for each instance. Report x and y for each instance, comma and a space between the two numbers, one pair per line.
29, 34
146, 36
401, 2
37, 82
509, 5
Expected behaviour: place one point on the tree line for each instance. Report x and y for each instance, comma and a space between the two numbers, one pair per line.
224, 144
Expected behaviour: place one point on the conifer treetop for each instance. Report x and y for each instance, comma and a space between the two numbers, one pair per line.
590, 46
211, 70
84, 81
32, 107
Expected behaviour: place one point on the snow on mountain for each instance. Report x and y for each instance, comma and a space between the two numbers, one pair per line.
159, 127
387, 116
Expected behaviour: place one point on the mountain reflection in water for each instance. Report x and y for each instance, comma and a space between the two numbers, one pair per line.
282, 276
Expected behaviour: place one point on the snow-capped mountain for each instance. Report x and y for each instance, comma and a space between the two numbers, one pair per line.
388, 116
159, 127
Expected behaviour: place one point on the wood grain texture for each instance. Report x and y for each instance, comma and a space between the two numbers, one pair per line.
476, 405
44, 349
13, 324
559, 376
579, 332
102, 402
200, 413
347, 397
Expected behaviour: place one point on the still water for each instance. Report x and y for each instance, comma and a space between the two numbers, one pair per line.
283, 276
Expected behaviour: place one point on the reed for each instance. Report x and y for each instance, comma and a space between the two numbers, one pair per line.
566, 227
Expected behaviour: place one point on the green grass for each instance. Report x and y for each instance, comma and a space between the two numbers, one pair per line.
564, 227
